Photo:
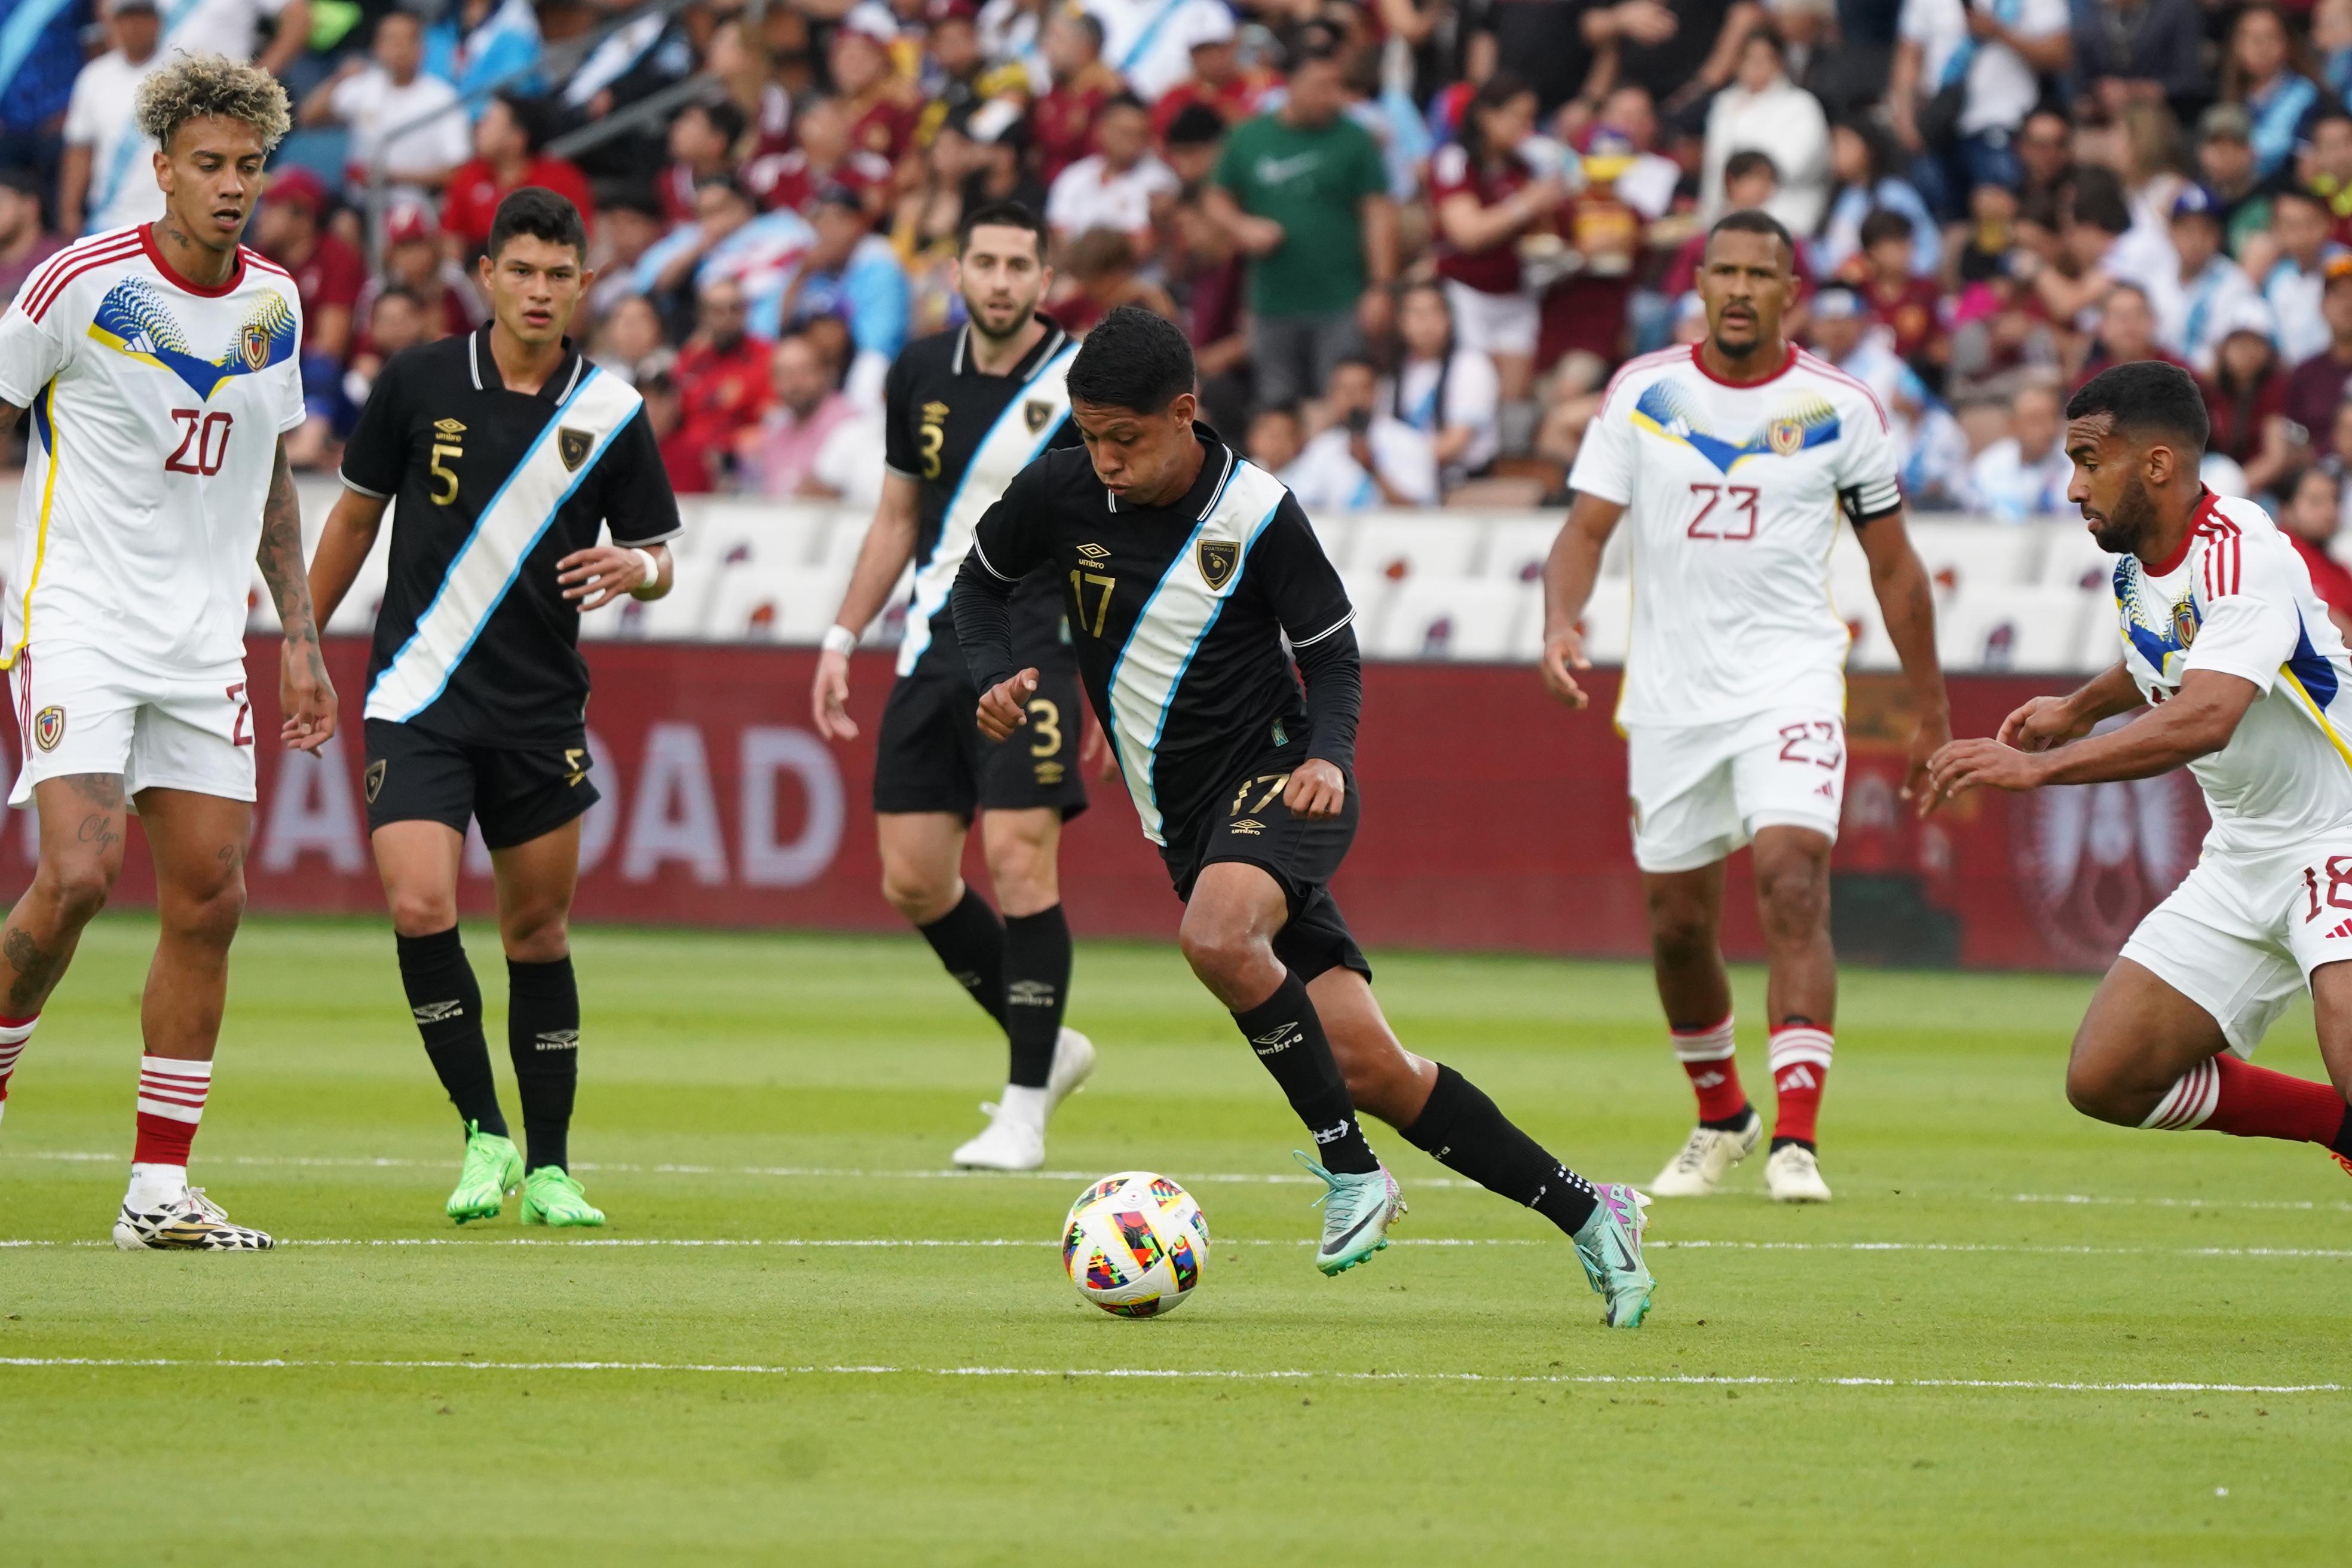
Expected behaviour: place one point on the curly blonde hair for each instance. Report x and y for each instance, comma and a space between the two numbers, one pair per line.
201, 87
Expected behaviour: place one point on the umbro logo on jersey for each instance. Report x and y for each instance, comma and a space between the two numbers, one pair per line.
558, 1041
449, 426
1279, 1038
1029, 993
1094, 552
573, 447
1218, 559
2343, 929
49, 727
374, 781
439, 1011
1247, 827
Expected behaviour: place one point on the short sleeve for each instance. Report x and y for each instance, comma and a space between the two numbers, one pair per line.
1604, 463
1449, 172
1062, 199
377, 454
1473, 391
1011, 538
898, 453
2252, 619
1289, 567
1232, 167
1371, 174
348, 97
33, 352
85, 116
640, 508
2044, 18
1865, 468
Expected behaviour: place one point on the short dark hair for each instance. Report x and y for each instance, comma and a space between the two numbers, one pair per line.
725, 115
542, 214
1883, 225
2099, 200
730, 184
1195, 125
1089, 23
637, 199
1756, 220
1123, 101
1358, 359
529, 117
2145, 397
1000, 214
1747, 162
1133, 359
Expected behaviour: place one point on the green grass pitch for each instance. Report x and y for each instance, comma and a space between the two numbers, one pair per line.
1965, 1359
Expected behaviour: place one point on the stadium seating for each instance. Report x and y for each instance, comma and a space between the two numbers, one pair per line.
2002, 628
1453, 619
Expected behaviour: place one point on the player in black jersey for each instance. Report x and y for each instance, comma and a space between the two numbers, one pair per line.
968, 409
506, 450
1185, 567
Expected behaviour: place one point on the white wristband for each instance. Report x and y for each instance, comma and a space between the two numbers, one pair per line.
653, 570
838, 639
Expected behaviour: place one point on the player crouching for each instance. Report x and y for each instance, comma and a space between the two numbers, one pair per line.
2244, 678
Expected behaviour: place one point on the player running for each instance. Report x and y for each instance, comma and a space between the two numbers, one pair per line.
2243, 677
1186, 568
163, 365
969, 409
506, 450
1737, 456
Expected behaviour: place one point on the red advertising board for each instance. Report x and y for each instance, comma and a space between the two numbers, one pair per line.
1494, 820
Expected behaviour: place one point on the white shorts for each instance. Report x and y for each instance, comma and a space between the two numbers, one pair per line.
1700, 792
2241, 934
1493, 323
80, 711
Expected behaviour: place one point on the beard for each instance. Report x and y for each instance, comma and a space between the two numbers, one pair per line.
2128, 522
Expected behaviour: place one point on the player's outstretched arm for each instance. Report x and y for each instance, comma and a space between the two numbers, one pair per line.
306, 696
343, 546
1569, 572
2043, 722
1904, 602
2196, 723
889, 545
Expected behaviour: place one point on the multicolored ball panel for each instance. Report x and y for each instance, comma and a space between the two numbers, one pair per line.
1135, 1244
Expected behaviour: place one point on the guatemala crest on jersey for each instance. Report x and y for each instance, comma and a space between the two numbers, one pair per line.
1036, 412
573, 446
1218, 558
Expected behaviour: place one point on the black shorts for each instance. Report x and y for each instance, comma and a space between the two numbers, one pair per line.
1249, 823
931, 754
517, 795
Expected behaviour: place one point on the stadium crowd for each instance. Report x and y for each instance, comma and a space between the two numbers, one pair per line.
1409, 238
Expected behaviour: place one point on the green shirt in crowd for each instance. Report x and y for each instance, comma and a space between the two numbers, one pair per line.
1312, 182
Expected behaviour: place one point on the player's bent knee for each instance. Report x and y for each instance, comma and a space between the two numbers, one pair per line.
1680, 928
209, 918
423, 911
79, 885
2098, 1090
920, 899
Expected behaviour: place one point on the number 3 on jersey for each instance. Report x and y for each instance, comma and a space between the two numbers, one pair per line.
1739, 526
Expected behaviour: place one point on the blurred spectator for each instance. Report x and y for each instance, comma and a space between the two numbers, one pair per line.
1489, 197
2331, 45
2045, 152
728, 238
666, 416
630, 342
2261, 74
1002, 171
2246, 401
1590, 309
1101, 264
1121, 187
1965, 80
701, 147
1277, 433
1446, 391
1989, 237
2093, 257
2208, 291
956, 76
1763, 111
1905, 304
1678, 54
644, 55
2316, 387
478, 44
824, 157
413, 259
1063, 120
233, 28
1013, 31
1750, 179
2324, 162
2127, 50
395, 320
1999, 332
2225, 161
1552, 44
1860, 163
1190, 146
1362, 458
506, 156
1220, 81
1303, 192
2025, 475
851, 272
722, 385
628, 223
43, 49
1150, 42
107, 177
880, 103
2304, 231
813, 441
290, 229
2310, 520
2126, 331
24, 243
396, 113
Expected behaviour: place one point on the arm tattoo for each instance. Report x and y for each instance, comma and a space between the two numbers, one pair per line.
281, 555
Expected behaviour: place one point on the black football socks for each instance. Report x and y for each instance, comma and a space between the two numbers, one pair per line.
446, 1004
544, 1038
1462, 1129
1289, 1038
1036, 967
970, 941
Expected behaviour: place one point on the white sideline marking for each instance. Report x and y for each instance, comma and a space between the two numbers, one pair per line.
1601, 1380
1233, 1178
890, 1242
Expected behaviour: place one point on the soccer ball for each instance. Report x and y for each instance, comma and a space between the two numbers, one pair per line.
1134, 1244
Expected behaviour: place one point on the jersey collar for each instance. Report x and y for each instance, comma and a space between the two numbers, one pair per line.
483, 365
1031, 363
1786, 366
2197, 519
189, 285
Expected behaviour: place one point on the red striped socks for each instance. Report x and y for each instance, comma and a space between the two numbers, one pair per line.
1707, 1056
170, 1103
1801, 1070
2229, 1095
14, 1032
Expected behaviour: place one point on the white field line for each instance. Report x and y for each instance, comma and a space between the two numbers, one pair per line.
1598, 1380
888, 1242
856, 1174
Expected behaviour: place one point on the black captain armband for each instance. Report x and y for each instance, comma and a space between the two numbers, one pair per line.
1865, 501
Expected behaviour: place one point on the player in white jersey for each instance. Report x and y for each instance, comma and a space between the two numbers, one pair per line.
161, 365
1739, 458
2235, 670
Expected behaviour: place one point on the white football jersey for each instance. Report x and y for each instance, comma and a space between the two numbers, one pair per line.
1735, 495
155, 405
2238, 599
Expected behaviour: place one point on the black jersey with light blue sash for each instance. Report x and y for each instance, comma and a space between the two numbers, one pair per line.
492, 487
1179, 615
961, 434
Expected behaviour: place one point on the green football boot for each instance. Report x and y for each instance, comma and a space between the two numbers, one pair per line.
493, 1168
1610, 1247
550, 1197
1356, 1213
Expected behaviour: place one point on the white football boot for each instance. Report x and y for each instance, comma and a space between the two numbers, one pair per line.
189, 1223
1698, 1168
1014, 1139
1793, 1176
